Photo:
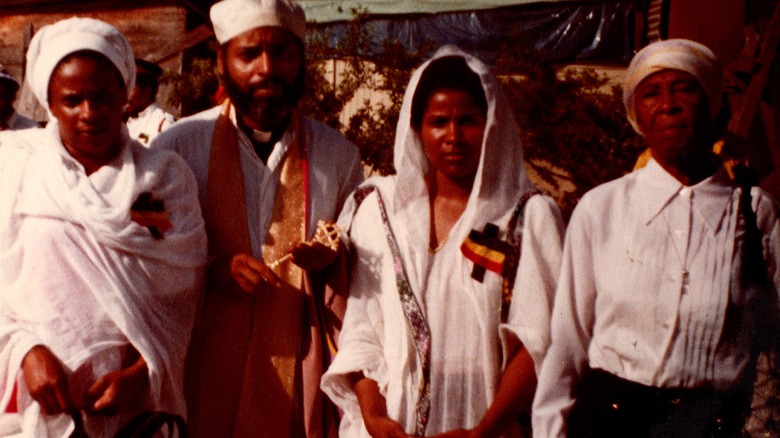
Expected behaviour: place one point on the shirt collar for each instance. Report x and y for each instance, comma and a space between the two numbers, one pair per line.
711, 196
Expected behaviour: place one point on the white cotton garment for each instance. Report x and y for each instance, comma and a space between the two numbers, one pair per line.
468, 341
650, 267
80, 277
334, 168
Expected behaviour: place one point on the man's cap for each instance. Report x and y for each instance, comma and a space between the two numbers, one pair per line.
234, 17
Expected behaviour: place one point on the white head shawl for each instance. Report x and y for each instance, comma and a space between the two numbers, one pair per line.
54, 42
675, 54
234, 17
500, 179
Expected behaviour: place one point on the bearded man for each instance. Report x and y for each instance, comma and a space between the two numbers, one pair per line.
266, 175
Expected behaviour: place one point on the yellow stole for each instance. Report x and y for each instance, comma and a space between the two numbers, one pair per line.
270, 382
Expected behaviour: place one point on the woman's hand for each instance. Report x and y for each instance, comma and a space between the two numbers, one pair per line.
461, 433
119, 391
384, 427
46, 382
373, 408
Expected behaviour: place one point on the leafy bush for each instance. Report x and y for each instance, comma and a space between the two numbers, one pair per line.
571, 125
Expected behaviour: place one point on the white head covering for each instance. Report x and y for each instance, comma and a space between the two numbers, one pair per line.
500, 179
54, 42
675, 54
234, 17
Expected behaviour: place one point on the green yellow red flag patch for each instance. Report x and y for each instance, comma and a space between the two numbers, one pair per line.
486, 250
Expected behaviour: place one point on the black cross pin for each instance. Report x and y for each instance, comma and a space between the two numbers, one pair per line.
488, 238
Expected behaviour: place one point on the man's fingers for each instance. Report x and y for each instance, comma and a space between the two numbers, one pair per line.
245, 285
254, 264
248, 272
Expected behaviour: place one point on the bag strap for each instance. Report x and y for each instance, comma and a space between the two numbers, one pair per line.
515, 240
415, 318
147, 424
144, 425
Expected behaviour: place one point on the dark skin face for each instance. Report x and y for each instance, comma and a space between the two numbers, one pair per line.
260, 68
451, 132
86, 96
673, 114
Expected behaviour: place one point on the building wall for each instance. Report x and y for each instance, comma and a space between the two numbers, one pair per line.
148, 28
717, 24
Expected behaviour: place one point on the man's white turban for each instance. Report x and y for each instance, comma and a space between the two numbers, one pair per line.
54, 42
675, 54
234, 17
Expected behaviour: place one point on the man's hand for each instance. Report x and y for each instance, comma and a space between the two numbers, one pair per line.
313, 256
119, 391
46, 381
248, 272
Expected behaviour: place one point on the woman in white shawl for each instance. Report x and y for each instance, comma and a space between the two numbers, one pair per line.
101, 247
423, 349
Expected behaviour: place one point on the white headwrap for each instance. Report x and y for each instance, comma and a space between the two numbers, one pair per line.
54, 42
675, 54
234, 17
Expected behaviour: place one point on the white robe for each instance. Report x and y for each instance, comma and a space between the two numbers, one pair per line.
334, 169
650, 268
148, 124
78, 276
468, 343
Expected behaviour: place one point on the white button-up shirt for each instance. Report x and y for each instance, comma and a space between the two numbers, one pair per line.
649, 269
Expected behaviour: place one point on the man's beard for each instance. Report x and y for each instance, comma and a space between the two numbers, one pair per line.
266, 113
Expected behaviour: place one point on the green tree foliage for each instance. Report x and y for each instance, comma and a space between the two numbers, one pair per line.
360, 64
574, 121
194, 89
570, 121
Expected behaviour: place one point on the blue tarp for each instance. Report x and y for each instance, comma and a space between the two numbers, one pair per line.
327, 11
564, 32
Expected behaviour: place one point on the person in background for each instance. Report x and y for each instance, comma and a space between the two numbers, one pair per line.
431, 343
9, 118
102, 247
145, 120
669, 282
266, 176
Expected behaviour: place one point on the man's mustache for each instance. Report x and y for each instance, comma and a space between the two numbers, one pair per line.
271, 81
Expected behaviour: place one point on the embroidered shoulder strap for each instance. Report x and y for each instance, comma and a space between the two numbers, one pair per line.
415, 318
514, 240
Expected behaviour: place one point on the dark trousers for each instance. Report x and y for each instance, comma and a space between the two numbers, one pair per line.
608, 406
